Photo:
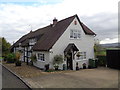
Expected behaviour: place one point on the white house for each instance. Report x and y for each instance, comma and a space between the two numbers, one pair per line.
66, 37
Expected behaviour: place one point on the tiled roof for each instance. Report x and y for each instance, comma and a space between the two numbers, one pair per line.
47, 36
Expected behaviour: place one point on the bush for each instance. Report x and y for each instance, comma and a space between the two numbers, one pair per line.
10, 58
33, 58
17, 55
101, 60
58, 59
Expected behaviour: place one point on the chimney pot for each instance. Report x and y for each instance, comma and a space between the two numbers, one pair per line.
55, 21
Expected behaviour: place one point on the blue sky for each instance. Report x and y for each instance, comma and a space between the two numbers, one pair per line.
16, 16
30, 2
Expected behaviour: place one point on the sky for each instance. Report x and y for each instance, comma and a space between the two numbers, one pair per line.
18, 17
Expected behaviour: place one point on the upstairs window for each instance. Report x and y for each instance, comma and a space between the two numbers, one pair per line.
33, 40
40, 57
75, 34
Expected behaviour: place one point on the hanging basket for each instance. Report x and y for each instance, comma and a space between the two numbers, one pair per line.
78, 54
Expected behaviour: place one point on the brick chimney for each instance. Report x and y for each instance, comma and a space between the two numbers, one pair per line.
54, 21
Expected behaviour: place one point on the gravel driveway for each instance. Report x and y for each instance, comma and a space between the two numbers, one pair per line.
85, 78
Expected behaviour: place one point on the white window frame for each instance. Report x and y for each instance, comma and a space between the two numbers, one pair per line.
41, 57
75, 34
32, 40
83, 57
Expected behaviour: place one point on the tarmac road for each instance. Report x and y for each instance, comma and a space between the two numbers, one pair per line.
11, 81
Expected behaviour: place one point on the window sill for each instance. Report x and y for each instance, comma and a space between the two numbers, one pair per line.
81, 60
40, 61
75, 38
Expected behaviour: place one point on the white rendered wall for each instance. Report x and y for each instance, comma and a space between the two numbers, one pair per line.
84, 44
41, 64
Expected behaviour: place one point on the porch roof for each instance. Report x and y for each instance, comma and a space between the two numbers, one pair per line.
71, 46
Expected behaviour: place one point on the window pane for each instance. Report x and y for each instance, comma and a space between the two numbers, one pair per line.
41, 57
78, 34
71, 33
83, 55
75, 34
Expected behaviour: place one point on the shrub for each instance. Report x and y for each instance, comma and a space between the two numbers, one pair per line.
58, 59
33, 58
101, 60
10, 58
17, 55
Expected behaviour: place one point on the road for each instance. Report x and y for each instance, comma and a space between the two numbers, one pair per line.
11, 81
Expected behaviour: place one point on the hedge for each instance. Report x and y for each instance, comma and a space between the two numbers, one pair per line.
101, 60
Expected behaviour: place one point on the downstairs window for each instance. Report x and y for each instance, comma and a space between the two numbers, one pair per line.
40, 57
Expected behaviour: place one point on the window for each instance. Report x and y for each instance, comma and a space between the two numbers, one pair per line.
75, 22
29, 54
40, 57
71, 34
75, 34
83, 55
78, 34
33, 40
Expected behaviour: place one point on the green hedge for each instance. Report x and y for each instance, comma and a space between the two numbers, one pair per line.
101, 60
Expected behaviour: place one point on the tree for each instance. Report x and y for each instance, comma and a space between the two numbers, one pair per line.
5, 47
33, 58
98, 49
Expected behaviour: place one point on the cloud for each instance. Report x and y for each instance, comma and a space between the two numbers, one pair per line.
105, 25
15, 19
108, 40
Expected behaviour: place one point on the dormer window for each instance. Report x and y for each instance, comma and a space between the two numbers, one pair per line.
32, 40
75, 34
19, 44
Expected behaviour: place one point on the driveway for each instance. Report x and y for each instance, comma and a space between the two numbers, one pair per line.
85, 78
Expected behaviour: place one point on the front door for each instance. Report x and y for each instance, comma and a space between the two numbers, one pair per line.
69, 61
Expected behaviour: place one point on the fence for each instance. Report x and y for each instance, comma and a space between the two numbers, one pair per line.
113, 59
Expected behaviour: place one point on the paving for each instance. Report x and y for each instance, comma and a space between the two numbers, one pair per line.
11, 81
85, 78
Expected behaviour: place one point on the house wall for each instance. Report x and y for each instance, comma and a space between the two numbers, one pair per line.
41, 64
84, 44
16, 49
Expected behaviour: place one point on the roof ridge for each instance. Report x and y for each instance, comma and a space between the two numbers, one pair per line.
67, 18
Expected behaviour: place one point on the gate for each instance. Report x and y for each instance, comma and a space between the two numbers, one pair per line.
113, 58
